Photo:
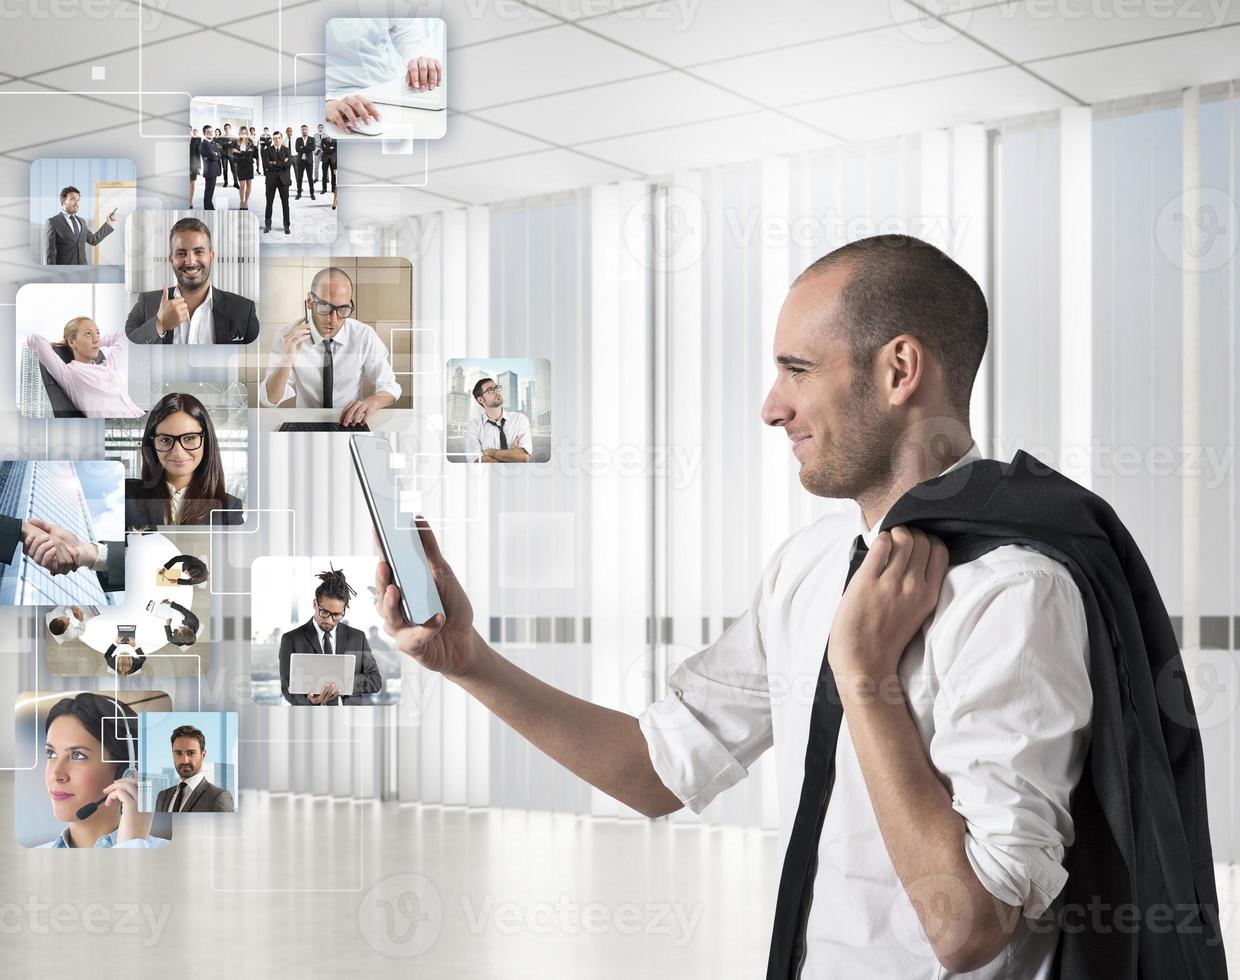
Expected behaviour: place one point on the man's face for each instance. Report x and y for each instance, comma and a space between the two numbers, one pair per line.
326, 611
337, 291
320, 129
187, 756
277, 140
208, 132
305, 130
839, 433
227, 129
191, 257
491, 395
71, 202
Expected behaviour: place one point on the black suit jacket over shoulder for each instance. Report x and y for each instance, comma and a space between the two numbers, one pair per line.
143, 508
234, 318
349, 639
1142, 839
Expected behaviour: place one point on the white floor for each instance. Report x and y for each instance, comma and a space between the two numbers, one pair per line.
313, 888
313, 222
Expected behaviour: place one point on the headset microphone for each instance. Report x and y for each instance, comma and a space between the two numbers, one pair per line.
124, 770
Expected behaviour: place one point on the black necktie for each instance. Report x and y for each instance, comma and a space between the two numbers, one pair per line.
329, 374
327, 644
796, 881
73, 225
503, 439
179, 799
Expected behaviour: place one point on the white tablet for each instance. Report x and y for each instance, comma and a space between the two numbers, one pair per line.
308, 672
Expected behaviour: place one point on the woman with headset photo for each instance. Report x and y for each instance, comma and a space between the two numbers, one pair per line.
92, 792
182, 478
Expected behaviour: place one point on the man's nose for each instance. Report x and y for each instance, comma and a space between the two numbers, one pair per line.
774, 411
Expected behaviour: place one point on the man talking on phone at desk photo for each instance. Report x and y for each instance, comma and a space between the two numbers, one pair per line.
322, 360
964, 726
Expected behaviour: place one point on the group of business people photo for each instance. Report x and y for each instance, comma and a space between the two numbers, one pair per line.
295, 164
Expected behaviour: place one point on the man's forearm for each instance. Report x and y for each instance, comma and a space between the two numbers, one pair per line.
276, 383
517, 455
923, 834
606, 748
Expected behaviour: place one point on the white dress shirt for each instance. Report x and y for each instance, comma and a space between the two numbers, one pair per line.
323, 641
175, 499
192, 784
365, 51
357, 354
997, 683
200, 327
482, 434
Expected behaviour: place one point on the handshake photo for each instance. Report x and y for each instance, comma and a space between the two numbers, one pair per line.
56, 549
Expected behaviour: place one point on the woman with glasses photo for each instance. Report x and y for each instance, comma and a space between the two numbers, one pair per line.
182, 478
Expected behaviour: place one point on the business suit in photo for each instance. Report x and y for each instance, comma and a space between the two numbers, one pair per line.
210, 152
234, 319
206, 798
143, 508
276, 173
225, 145
111, 578
345, 639
305, 162
65, 244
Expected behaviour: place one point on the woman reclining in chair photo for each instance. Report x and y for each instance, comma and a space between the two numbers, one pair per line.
88, 369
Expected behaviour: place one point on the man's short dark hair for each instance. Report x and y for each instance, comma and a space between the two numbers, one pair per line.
66, 191
58, 625
331, 270
228, 125
206, 126
900, 284
478, 387
189, 731
189, 224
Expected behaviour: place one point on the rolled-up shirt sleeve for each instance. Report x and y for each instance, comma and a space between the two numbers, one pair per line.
1011, 728
716, 719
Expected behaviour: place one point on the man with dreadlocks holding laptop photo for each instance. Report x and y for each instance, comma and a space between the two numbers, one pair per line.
323, 636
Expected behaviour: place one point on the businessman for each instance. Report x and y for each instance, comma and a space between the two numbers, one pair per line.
194, 794
276, 173
209, 150
324, 633
225, 142
328, 143
61, 551
66, 235
322, 361
932, 764
305, 160
496, 436
195, 312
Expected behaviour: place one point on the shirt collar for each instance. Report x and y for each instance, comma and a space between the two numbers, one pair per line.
503, 416
192, 783
340, 336
173, 492
868, 535
107, 840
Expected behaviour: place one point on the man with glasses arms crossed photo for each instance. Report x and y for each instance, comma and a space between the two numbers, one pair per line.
322, 360
496, 436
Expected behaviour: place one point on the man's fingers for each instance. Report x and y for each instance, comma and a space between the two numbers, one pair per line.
429, 544
936, 567
164, 298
